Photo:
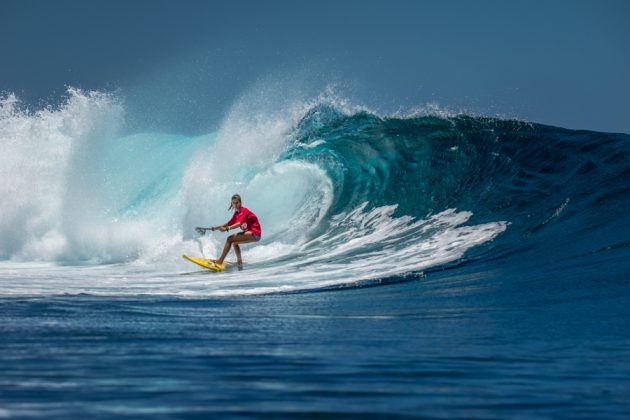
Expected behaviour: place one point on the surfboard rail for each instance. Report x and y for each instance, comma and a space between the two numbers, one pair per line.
205, 263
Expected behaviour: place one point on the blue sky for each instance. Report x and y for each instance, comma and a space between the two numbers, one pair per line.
564, 63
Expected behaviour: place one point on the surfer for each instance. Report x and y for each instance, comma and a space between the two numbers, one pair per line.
247, 221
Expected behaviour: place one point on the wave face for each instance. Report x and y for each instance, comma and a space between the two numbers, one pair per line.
344, 197
562, 192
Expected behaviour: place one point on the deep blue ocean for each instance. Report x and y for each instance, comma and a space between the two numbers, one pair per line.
428, 265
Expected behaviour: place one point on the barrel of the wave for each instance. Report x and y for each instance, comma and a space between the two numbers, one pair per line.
250, 232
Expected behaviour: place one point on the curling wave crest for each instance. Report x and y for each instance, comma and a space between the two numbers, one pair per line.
345, 197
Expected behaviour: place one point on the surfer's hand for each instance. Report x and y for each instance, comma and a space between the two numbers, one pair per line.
213, 228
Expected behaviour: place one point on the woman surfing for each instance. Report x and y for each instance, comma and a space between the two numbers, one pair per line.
247, 221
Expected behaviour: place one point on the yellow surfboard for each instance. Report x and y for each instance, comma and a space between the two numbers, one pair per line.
205, 263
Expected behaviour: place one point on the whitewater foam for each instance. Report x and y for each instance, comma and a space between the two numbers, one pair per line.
437, 240
43, 159
115, 211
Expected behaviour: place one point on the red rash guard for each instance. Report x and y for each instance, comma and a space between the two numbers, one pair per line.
248, 221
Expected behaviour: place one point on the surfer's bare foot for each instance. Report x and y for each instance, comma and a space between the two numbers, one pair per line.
239, 265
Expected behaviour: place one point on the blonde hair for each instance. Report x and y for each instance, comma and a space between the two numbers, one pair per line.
235, 196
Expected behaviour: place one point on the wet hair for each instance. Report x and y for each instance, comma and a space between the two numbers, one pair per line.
235, 196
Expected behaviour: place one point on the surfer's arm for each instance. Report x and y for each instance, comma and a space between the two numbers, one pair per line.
225, 227
222, 228
232, 223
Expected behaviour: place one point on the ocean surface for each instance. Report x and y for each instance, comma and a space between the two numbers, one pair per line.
426, 264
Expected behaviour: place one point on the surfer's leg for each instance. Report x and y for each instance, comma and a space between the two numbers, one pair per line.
243, 238
226, 249
237, 251
239, 238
